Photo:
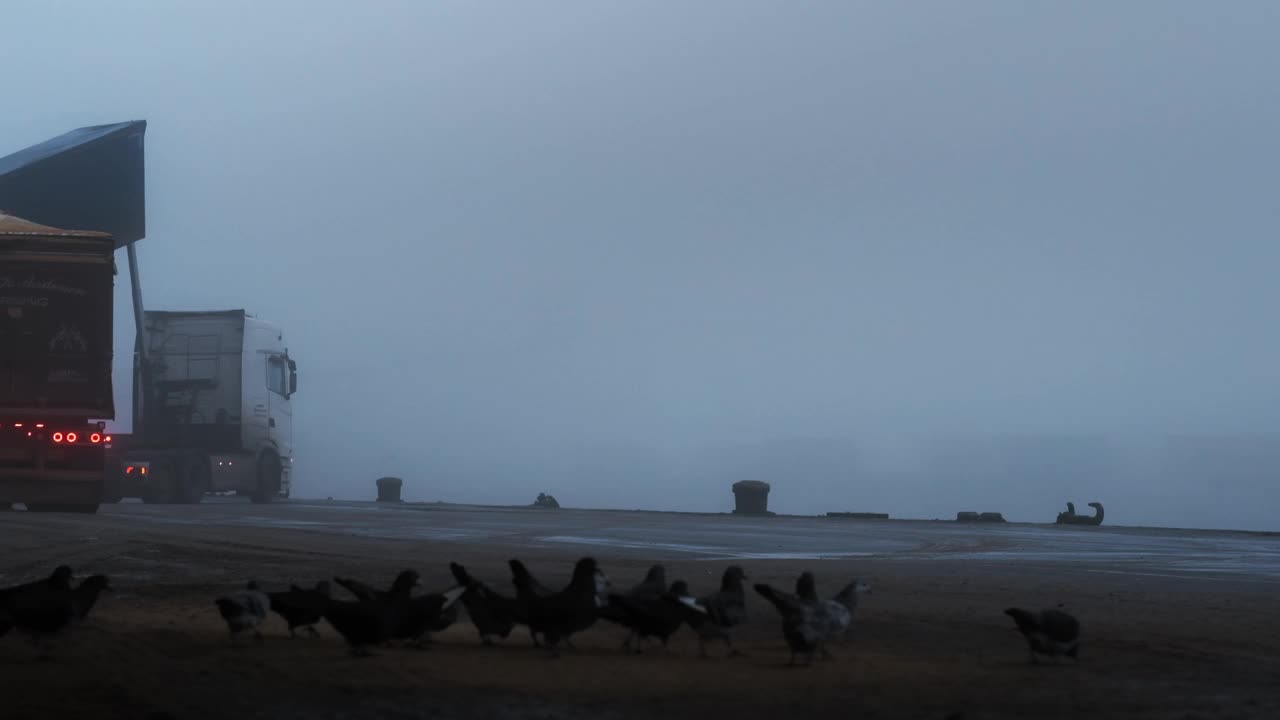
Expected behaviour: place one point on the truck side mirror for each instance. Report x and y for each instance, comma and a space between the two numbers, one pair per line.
293, 379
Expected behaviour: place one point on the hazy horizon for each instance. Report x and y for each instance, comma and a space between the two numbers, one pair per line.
907, 258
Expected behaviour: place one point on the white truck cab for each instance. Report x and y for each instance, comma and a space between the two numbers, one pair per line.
219, 417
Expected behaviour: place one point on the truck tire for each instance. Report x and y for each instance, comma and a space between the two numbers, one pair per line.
161, 487
193, 482
268, 478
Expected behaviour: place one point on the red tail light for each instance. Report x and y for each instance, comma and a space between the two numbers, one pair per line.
57, 437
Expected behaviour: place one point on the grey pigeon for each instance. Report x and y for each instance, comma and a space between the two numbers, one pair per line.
244, 610
1051, 632
713, 616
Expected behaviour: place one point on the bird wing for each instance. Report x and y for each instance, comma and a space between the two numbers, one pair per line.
361, 590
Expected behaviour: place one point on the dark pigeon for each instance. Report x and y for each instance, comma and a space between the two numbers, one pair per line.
46, 613
401, 587
295, 610
630, 608
652, 616
713, 616
417, 617
492, 614
559, 615
527, 587
361, 623
59, 579
244, 610
1051, 632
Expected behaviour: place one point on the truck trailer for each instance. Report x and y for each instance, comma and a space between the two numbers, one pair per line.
211, 390
56, 296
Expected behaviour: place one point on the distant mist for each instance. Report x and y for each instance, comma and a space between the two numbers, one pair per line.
899, 257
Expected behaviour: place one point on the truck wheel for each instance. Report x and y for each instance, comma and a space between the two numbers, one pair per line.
268, 483
162, 486
194, 481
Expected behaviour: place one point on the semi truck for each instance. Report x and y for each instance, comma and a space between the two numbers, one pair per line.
212, 390
219, 417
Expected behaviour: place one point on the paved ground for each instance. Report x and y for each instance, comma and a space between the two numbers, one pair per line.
715, 537
1178, 624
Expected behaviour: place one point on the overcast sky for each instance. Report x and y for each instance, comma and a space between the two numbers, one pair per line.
903, 257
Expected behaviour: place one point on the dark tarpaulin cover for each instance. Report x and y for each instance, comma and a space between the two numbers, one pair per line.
91, 178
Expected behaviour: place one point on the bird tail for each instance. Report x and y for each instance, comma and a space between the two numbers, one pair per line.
520, 576
355, 587
461, 575
783, 602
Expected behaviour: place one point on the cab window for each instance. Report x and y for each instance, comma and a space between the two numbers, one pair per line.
277, 376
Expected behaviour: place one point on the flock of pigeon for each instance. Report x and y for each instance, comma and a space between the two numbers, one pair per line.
651, 610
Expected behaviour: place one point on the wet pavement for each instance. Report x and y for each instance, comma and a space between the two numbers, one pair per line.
1205, 554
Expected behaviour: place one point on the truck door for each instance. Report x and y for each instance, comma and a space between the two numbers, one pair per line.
279, 409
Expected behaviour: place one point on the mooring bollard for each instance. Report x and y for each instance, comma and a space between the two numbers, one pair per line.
389, 489
751, 497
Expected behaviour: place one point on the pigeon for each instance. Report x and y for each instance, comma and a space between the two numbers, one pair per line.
415, 618
848, 598
244, 610
527, 587
712, 616
361, 623
298, 613
59, 579
561, 614
807, 622
401, 587
636, 605
1051, 633
44, 613
839, 609
651, 615
491, 613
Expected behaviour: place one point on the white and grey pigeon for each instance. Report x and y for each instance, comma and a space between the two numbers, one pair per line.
839, 609
244, 610
807, 621
1050, 632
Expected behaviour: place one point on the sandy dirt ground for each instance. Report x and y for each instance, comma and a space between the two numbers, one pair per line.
929, 641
